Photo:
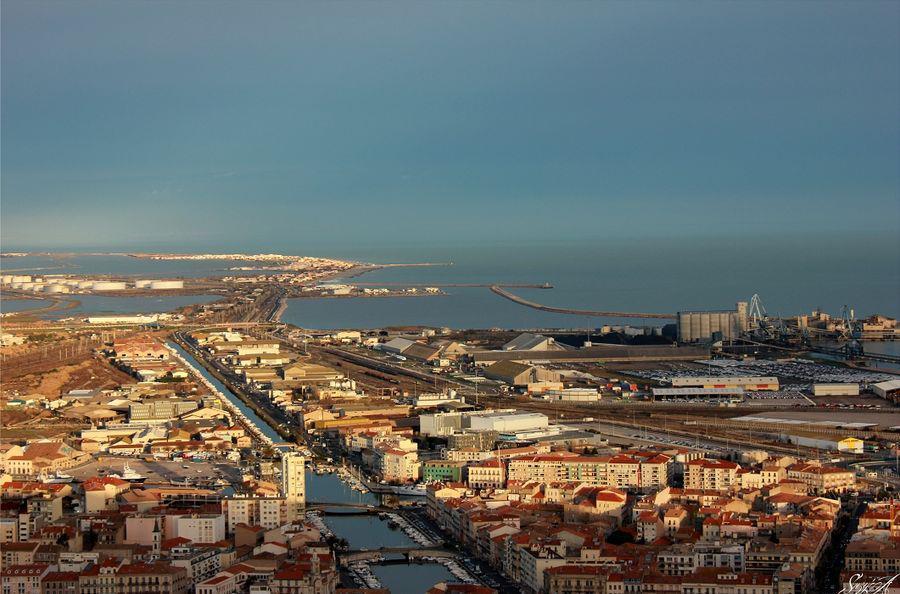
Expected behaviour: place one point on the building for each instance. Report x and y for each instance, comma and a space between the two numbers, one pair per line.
201, 527
146, 578
452, 471
396, 465
531, 342
309, 372
519, 374
703, 326
888, 390
311, 574
851, 445
293, 483
708, 474
690, 393
268, 512
487, 474
744, 382
507, 422
821, 479
160, 409
835, 390
23, 579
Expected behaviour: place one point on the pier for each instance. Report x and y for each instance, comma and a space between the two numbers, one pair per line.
578, 312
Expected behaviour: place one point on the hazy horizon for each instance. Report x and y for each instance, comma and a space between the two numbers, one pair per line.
199, 124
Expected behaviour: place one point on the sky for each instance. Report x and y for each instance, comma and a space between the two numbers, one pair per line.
198, 124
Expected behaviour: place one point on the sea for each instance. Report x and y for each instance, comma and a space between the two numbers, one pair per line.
791, 274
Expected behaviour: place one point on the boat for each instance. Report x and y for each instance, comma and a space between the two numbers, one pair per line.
129, 475
58, 478
419, 490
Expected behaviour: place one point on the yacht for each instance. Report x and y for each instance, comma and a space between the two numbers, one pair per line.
58, 478
129, 475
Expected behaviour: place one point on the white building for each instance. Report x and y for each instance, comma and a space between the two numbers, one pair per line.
506, 422
201, 527
293, 483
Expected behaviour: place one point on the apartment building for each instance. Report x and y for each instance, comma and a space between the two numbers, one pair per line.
708, 474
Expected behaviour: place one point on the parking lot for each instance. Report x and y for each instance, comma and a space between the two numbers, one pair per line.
160, 471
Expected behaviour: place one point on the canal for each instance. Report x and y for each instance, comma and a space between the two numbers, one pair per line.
361, 532
229, 395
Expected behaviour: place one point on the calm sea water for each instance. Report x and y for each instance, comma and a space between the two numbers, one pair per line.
792, 274
10, 305
657, 276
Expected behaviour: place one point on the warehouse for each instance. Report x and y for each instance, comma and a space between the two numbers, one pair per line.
505, 422
889, 390
690, 393
583, 395
701, 326
519, 374
835, 390
745, 382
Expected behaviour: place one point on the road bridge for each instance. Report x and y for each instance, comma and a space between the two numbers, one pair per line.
319, 505
410, 552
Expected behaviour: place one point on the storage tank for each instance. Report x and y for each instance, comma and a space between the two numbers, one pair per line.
85, 284
56, 288
142, 284
6, 279
15, 286
38, 287
109, 286
167, 284
21, 278
27, 285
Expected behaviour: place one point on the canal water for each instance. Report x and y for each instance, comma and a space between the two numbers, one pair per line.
361, 532
369, 532
229, 395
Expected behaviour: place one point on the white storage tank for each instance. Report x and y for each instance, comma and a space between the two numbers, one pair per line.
109, 286
142, 284
26, 285
56, 288
85, 284
21, 278
37, 287
6, 279
167, 284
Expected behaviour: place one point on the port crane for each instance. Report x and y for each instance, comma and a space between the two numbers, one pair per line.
762, 326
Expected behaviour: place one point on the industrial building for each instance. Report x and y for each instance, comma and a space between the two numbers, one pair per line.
889, 390
583, 395
601, 353
687, 393
745, 382
835, 390
508, 422
501, 421
519, 374
705, 326
108, 286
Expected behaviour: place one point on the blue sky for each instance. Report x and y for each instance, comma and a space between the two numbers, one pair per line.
228, 123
